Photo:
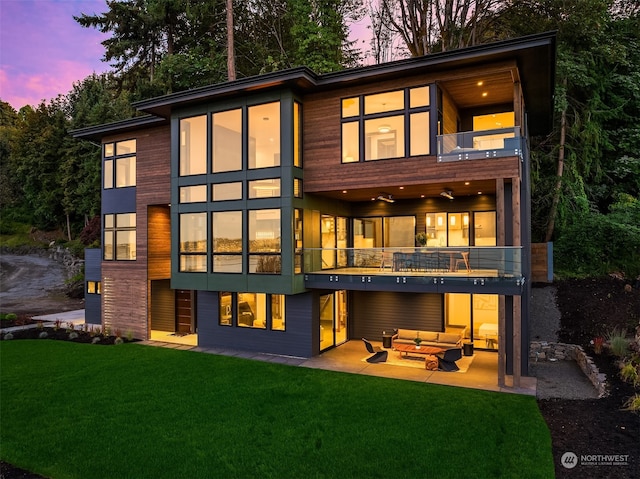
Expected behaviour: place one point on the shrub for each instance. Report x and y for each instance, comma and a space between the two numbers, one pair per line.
633, 403
118, 340
8, 316
618, 342
43, 335
73, 335
8, 336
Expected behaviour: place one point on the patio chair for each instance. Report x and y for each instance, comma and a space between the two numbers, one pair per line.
447, 359
379, 355
463, 262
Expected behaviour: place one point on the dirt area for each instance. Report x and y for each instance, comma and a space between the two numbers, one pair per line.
582, 425
33, 285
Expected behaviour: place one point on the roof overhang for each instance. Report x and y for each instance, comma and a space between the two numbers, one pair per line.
96, 133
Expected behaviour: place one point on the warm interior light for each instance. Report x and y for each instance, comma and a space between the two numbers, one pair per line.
344, 191
384, 128
465, 220
484, 93
402, 187
439, 220
447, 194
386, 197
428, 220
466, 183
453, 220
480, 83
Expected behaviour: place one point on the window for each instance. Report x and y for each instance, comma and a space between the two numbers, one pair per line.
120, 237
264, 188
227, 241
297, 134
277, 312
297, 188
119, 169
264, 135
381, 126
386, 232
227, 141
252, 310
484, 228
264, 241
226, 191
298, 242
226, 309
94, 287
193, 194
193, 242
193, 146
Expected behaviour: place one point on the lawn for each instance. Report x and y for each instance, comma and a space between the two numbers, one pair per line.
131, 411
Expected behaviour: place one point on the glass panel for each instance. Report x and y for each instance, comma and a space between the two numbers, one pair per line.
91, 287
277, 312
457, 310
193, 194
126, 172
297, 188
108, 245
109, 221
125, 147
367, 233
125, 245
437, 229
399, 231
350, 142
350, 107
381, 102
252, 310
99, 287
226, 311
265, 263
458, 233
384, 138
484, 228
328, 229
299, 245
108, 174
264, 135
485, 320
108, 149
264, 188
341, 317
297, 135
341, 243
193, 263
227, 263
227, 141
494, 121
419, 97
126, 220
264, 231
193, 146
419, 130
193, 233
326, 321
226, 191
227, 232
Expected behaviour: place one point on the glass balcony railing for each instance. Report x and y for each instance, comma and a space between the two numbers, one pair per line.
470, 262
474, 145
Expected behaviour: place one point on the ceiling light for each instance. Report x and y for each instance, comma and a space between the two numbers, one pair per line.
384, 128
447, 194
485, 93
386, 197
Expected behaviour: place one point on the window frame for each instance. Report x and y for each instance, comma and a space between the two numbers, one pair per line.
113, 231
112, 162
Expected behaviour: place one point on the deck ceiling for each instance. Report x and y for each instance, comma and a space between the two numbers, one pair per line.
412, 192
466, 92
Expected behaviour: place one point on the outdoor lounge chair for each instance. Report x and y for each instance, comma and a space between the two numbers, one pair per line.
379, 355
447, 359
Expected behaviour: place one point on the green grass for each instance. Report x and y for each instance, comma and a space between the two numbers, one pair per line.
84, 411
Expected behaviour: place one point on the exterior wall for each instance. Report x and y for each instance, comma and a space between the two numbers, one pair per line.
92, 302
296, 340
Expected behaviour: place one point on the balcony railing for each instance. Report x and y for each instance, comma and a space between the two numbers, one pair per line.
474, 145
462, 262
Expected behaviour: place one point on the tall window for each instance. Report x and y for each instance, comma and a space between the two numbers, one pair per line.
264, 241
227, 141
297, 134
120, 237
119, 169
264, 135
193, 242
227, 241
299, 245
193, 146
378, 129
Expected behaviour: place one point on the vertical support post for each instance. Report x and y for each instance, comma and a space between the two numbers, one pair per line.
517, 300
502, 360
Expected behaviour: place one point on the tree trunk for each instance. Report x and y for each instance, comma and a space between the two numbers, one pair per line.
68, 227
558, 189
231, 60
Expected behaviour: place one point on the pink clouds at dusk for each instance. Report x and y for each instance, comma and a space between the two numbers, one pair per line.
44, 51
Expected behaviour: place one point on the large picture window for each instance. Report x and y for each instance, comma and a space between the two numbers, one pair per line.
120, 237
193, 146
264, 241
227, 141
388, 126
119, 169
264, 135
252, 310
227, 241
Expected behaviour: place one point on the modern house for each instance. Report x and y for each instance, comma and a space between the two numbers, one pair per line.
280, 213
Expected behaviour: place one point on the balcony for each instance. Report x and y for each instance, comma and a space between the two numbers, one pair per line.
495, 270
476, 145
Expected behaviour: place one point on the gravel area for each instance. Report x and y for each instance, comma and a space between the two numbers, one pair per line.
545, 315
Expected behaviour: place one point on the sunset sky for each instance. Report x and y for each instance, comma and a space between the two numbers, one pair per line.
44, 51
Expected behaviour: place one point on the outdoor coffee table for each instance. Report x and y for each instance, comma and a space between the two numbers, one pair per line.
411, 349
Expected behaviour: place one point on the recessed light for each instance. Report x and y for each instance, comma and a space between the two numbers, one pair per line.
480, 83
421, 196
344, 191
402, 187
466, 183
479, 192
484, 93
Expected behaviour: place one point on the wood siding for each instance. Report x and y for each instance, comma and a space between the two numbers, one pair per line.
163, 306
124, 297
371, 313
159, 242
541, 263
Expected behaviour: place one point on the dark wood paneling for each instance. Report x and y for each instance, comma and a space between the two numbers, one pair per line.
184, 311
371, 313
159, 242
124, 297
540, 262
162, 306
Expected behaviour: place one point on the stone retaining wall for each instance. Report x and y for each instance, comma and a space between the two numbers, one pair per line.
550, 351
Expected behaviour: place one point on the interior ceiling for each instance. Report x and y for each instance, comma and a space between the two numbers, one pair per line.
415, 191
467, 93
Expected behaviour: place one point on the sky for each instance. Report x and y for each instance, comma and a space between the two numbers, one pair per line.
44, 51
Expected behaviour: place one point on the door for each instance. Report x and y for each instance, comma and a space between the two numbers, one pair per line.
185, 320
333, 319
